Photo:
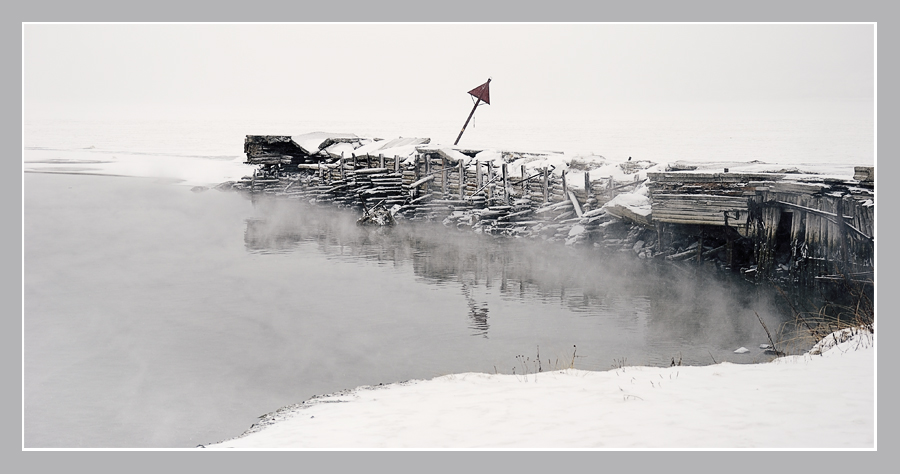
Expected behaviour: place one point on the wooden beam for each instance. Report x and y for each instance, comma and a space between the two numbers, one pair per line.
829, 216
575, 203
422, 181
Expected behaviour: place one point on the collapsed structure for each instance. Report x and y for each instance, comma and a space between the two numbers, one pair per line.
802, 226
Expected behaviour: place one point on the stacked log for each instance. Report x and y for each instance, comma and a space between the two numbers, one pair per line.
702, 216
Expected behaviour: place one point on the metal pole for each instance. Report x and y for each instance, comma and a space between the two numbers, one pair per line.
471, 114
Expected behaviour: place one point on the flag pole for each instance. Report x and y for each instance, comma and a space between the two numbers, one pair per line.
477, 102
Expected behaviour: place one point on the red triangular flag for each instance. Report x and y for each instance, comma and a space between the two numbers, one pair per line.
483, 92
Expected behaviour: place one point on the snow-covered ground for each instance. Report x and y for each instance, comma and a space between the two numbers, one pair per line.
823, 399
809, 401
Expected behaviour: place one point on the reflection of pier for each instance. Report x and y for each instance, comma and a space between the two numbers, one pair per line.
584, 281
478, 312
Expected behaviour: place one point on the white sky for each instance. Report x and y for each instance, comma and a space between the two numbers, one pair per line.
425, 70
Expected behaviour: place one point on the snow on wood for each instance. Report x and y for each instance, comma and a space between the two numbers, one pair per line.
742, 206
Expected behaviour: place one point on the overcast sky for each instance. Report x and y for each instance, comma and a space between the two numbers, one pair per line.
536, 69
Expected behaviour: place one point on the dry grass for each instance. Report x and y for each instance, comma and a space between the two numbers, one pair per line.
855, 313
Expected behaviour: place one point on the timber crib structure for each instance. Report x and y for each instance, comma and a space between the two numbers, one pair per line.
786, 224
812, 228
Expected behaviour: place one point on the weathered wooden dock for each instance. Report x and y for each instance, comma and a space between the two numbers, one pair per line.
813, 227
805, 228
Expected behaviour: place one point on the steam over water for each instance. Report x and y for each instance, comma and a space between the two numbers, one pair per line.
158, 317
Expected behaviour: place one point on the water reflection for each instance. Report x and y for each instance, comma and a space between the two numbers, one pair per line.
671, 306
478, 312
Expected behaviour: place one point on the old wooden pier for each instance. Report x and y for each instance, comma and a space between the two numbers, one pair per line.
799, 227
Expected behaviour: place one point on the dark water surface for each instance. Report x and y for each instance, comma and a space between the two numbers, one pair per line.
158, 317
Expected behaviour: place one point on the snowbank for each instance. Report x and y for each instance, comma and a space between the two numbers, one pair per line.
809, 401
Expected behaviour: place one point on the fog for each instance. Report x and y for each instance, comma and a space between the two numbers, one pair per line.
678, 305
422, 71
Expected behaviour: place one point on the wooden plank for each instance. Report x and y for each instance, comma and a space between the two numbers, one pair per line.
422, 181
367, 171
553, 207
797, 188
684, 177
575, 203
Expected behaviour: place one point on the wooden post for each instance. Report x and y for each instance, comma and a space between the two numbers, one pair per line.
416, 171
478, 178
565, 187
587, 184
444, 176
427, 171
524, 184
729, 244
355, 162
462, 180
546, 184
487, 187
381, 160
396, 164
729, 252
842, 235
505, 184
341, 162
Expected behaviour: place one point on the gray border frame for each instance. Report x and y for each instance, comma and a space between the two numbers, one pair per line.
465, 11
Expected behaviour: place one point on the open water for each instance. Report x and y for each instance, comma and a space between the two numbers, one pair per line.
158, 317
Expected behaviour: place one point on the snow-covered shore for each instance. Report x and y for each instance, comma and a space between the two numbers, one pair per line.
824, 400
